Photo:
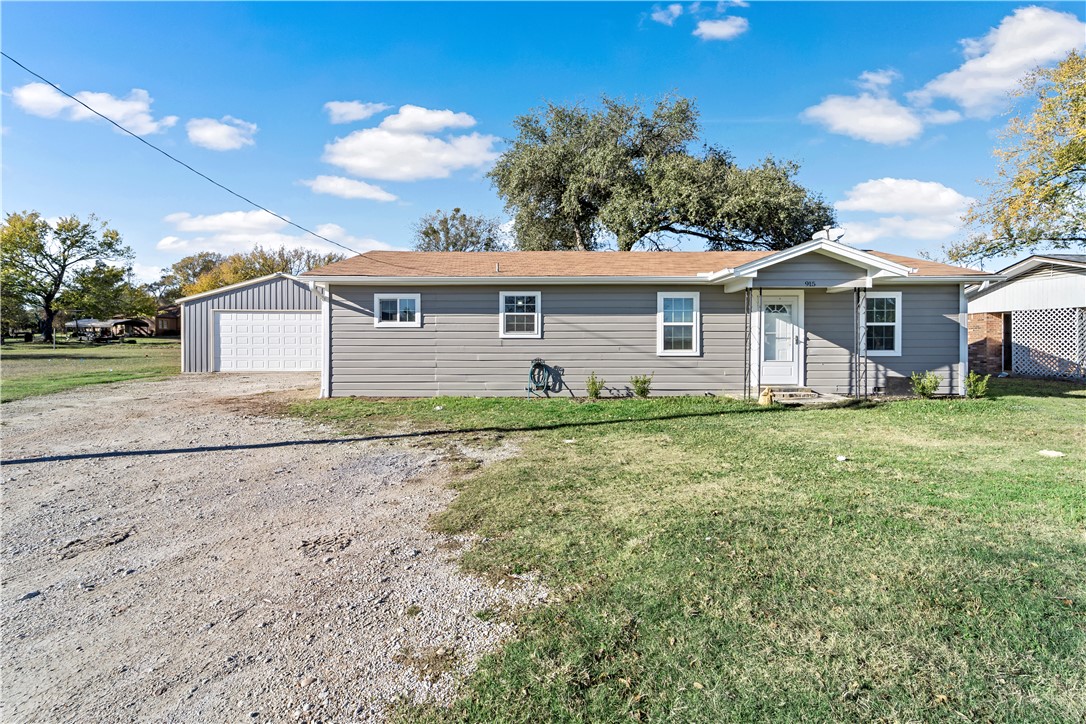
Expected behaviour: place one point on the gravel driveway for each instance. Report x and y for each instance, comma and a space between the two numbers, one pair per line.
220, 582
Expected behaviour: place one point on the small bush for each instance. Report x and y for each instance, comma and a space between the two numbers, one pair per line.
594, 385
925, 385
642, 384
976, 386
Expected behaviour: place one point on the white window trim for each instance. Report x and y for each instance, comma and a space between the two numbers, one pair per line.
660, 351
377, 298
538, 333
898, 323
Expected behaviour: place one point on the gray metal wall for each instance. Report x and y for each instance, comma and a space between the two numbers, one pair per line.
610, 330
197, 325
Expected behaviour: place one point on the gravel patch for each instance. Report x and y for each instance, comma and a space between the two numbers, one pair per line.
279, 583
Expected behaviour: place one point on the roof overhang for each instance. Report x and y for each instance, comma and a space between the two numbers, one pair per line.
239, 285
493, 280
1020, 268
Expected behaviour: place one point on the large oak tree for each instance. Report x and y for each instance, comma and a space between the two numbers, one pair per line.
38, 260
574, 177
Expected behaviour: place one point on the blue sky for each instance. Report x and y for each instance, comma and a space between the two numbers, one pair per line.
892, 109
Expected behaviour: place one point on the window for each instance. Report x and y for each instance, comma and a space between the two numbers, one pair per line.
677, 324
883, 324
519, 314
397, 310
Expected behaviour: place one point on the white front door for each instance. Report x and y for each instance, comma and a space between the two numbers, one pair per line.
267, 341
780, 336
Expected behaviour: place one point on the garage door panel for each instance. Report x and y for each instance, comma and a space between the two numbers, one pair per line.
267, 341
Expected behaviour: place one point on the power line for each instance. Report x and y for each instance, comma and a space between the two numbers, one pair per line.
175, 159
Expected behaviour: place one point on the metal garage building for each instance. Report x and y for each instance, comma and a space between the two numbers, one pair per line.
270, 324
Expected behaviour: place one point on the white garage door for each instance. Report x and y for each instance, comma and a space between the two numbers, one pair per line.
267, 341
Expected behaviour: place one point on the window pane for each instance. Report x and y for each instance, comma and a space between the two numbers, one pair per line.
520, 323
880, 337
678, 337
407, 310
388, 310
882, 310
679, 310
519, 303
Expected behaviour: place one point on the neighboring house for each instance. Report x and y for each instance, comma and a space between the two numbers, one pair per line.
168, 321
1033, 322
820, 315
270, 324
110, 328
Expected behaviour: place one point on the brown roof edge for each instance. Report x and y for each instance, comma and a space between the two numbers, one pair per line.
588, 264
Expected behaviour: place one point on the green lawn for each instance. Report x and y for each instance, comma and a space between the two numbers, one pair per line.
37, 369
713, 561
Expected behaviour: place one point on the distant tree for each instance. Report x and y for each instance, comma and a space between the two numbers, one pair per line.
37, 260
573, 177
183, 273
1038, 198
457, 231
14, 311
103, 291
258, 263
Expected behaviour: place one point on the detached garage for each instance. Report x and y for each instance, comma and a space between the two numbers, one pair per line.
270, 324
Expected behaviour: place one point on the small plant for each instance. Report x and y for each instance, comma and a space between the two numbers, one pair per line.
925, 385
976, 386
642, 384
594, 385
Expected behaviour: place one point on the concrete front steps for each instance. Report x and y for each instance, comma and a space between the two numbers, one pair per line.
791, 395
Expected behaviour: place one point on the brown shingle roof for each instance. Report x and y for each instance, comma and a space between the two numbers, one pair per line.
498, 264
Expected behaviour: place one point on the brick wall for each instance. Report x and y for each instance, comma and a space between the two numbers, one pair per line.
986, 343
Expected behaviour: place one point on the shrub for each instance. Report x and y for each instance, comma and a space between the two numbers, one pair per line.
925, 385
642, 384
976, 386
594, 385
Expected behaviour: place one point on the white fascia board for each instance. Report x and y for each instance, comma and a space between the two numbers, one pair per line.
829, 248
500, 281
1035, 261
239, 285
887, 281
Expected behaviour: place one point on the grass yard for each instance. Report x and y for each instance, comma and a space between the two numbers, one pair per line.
713, 561
37, 369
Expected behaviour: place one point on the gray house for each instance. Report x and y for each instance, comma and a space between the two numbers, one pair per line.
822, 316
270, 324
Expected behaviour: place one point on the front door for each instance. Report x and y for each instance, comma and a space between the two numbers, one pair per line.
781, 332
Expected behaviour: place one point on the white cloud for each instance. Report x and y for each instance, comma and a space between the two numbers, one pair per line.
416, 119
348, 188
132, 112
1029, 37
868, 117
904, 209
146, 274
237, 231
878, 81
667, 14
723, 29
349, 111
392, 156
229, 134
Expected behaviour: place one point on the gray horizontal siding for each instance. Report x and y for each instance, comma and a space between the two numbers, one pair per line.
610, 331
810, 270
197, 324
607, 330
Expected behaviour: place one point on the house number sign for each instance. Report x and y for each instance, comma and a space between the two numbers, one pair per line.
809, 284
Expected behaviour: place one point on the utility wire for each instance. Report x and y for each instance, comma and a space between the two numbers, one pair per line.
177, 160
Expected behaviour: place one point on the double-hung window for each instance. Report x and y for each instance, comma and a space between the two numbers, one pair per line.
397, 310
678, 322
883, 321
520, 314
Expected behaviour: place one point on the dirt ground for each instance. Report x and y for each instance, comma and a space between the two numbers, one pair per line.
237, 576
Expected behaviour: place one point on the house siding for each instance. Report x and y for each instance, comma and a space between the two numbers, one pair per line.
611, 330
197, 325
607, 330
811, 270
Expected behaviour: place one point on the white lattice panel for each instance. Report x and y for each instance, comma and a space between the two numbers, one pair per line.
1049, 342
